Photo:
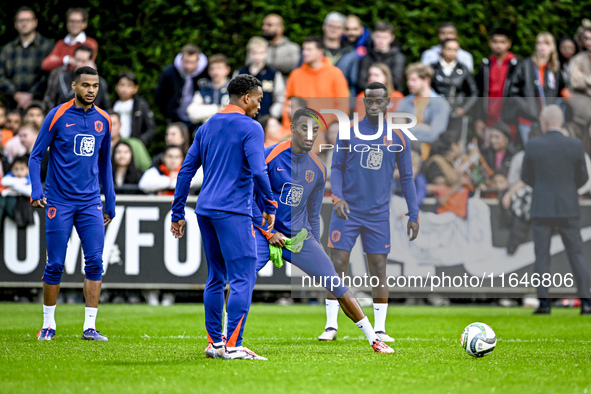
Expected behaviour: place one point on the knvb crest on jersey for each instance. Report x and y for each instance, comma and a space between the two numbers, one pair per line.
98, 126
309, 176
84, 145
291, 194
372, 159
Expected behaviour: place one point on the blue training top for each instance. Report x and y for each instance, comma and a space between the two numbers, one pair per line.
298, 180
80, 152
230, 147
362, 171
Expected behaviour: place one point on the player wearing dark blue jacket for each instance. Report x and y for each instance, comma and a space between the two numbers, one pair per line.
298, 178
78, 134
230, 147
362, 174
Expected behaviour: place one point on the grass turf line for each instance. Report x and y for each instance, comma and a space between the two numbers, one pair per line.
160, 349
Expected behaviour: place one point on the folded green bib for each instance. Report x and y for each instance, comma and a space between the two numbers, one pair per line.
294, 245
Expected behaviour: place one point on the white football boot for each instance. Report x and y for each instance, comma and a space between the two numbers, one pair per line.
330, 334
213, 351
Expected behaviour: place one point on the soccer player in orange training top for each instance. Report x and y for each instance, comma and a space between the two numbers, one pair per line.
79, 134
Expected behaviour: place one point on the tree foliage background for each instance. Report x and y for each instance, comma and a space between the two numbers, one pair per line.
144, 35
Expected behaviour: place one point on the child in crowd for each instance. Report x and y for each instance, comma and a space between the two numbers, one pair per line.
272, 80
212, 95
16, 192
23, 143
137, 119
35, 114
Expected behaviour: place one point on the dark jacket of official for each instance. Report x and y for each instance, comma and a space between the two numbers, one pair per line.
554, 166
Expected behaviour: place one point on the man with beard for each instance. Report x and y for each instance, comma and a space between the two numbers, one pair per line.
357, 35
79, 134
284, 55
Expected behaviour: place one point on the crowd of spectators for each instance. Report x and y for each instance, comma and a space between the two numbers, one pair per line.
473, 120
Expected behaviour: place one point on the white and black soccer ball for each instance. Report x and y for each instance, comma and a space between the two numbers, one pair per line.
478, 339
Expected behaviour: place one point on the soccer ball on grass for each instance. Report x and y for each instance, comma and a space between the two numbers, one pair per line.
478, 339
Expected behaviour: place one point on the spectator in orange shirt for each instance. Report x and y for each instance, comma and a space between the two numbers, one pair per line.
161, 180
317, 78
62, 53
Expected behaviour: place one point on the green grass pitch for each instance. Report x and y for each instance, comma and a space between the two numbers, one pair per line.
160, 349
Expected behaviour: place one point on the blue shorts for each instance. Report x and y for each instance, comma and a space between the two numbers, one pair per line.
374, 231
312, 259
90, 225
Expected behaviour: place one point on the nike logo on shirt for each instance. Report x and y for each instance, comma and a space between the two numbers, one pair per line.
70, 124
280, 169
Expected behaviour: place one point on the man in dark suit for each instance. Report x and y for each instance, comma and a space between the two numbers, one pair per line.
554, 165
